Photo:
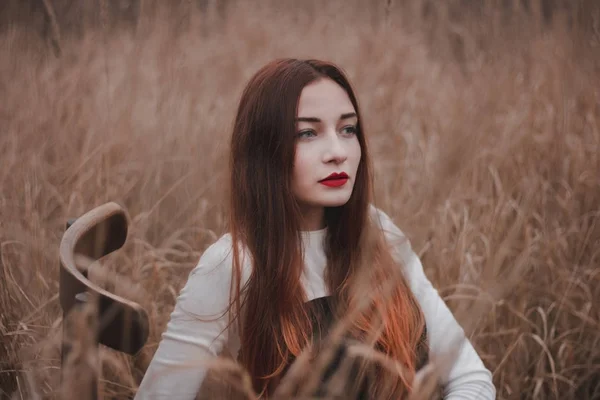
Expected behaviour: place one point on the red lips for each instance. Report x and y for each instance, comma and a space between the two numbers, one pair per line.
335, 179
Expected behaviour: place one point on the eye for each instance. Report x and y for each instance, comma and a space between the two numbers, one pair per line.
306, 133
349, 130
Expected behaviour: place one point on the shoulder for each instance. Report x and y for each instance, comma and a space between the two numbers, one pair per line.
208, 285
218, 258
219, 254
393, 234
400, 248
380, 218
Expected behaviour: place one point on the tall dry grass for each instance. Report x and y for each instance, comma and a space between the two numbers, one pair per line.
483, 125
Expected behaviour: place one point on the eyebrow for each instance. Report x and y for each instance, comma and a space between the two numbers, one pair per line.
314, 119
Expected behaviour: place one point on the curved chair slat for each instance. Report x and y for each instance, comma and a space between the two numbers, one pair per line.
123, 324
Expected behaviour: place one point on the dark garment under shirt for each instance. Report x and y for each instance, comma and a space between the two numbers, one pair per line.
322, 316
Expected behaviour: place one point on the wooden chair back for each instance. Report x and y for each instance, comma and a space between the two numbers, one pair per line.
123, 324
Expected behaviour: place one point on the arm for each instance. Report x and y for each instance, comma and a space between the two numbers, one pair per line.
195, 332
467, 377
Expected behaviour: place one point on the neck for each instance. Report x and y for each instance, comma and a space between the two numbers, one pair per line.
313, 219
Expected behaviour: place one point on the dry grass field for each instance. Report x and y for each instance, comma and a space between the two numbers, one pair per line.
484, 126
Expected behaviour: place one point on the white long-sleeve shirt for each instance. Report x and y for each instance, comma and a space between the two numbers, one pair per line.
178, 369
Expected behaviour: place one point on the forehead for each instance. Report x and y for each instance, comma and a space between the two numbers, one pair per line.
324, 98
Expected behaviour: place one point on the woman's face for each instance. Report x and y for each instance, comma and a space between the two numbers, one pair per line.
326, 145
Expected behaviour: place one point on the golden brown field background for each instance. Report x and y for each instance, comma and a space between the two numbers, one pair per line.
484, 125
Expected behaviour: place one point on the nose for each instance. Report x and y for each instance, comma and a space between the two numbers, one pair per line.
336, 151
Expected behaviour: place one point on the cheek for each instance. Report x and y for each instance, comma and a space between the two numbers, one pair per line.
301, 166
356, 152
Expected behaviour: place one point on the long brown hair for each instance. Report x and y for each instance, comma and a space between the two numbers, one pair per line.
265, 219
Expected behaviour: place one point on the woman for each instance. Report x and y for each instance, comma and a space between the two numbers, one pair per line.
309, 249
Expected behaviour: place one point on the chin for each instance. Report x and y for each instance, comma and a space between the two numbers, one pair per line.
338, 201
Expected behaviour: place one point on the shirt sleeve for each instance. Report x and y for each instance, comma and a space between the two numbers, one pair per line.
466, 377
196, 331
